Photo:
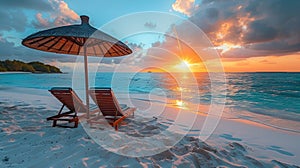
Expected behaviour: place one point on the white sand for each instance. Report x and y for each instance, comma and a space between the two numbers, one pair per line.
28, 140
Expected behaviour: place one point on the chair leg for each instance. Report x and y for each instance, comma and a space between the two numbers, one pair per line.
76, 122
115, 123
54, 123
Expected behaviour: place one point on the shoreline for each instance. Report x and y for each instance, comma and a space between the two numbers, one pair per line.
247, 117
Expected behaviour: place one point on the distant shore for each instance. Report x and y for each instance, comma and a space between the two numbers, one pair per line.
21, 72
34, 67
14, 72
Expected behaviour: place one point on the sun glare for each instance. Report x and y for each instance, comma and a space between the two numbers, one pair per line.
186, 63
185, 66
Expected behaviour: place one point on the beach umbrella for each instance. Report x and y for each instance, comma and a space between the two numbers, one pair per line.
81, 39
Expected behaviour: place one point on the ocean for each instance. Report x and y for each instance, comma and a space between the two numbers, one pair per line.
271, 94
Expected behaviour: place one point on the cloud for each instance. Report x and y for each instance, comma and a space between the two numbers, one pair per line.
265, 61
131, 59
12, 13
10, 51
259, 32
60, 15
242, 63
150, 25
64, 9
41, 5
6, 48
184, 6
258, 27
41, 22
51, 13
135, 47
12, 20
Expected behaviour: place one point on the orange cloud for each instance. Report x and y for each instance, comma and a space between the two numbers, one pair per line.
63, 14
66, 11
59, 16
184, 6
43, 22
288, 63
230, 33
257, 26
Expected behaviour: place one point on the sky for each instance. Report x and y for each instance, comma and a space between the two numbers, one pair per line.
246, 35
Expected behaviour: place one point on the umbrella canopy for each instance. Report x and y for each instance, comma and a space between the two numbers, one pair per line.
82, 39
72, 40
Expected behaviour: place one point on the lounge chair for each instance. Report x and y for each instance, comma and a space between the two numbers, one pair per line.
109, 106
70, 100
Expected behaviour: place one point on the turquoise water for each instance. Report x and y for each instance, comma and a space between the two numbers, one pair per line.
274, 94
266, 93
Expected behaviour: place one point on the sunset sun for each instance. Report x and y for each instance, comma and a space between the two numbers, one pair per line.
186, 63
183, 66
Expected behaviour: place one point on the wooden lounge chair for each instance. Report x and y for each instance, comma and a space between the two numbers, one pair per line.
70, 100
109, 106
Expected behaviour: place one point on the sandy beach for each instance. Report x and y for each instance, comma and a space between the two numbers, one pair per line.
28, 140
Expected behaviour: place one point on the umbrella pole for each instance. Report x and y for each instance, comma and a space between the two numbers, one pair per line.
86, 84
